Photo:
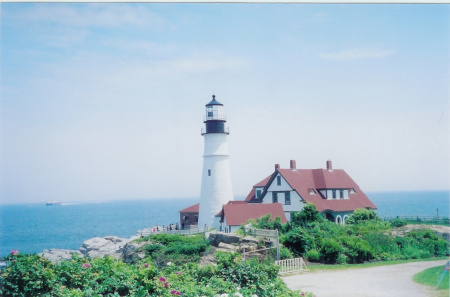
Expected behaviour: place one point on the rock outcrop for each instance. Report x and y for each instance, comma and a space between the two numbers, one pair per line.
56, 255
132, 252
107, 246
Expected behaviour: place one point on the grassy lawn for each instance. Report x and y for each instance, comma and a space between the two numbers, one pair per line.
431, 277
371, 264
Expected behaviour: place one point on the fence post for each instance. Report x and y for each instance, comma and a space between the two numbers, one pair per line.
278, 246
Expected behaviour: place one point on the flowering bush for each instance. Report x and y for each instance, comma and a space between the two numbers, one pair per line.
32, 275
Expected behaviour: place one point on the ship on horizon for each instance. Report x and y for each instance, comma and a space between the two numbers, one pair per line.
53, 203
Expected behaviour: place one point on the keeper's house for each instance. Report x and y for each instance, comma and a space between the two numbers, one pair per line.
332, 191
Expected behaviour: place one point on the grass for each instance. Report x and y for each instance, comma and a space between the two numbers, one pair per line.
431, 277
370, 264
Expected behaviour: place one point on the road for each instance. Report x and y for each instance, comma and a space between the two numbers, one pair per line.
389, 280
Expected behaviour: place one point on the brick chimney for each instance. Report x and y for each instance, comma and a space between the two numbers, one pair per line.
277, 166
329, 165
293, 165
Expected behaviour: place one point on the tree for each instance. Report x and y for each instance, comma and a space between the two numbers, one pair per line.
361, 215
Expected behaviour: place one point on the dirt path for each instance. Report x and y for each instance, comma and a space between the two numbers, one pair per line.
390, 280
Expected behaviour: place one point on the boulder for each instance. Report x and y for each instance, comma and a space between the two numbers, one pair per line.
132, 252
57, 255
107, 246
216, 238
228, 247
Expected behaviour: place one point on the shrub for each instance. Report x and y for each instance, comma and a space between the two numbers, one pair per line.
361, 215
330, 250
305, 217
298, 241
312, 255
398, 223
357, 250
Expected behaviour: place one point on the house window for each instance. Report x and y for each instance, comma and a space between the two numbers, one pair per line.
341, 194
209, 172
258, 193
287, 198
274, 197
278, 180
196, 219
334, 194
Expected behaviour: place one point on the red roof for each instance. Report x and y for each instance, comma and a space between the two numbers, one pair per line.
237, 214
260, 184
193, 208
303, 180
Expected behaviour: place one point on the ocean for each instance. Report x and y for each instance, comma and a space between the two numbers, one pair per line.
31, 228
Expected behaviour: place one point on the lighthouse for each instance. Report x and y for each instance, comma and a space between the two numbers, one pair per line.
216, 179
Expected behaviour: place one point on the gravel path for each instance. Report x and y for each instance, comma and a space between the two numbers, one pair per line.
390, 280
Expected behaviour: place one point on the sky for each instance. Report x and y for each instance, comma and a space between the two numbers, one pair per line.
106, 101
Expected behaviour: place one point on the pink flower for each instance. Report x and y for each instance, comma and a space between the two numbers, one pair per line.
303, 294
162, 279
166, 285
178, 293
14, 252
86, 265
178, 272
146, 265
173, 291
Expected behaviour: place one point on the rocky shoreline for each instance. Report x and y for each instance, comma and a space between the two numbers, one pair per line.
130, 251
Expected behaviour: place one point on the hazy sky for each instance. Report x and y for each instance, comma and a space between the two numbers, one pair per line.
106, 101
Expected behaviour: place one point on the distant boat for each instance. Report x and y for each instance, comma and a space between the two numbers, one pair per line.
53, 203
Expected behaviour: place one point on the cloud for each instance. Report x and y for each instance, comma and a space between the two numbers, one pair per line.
357, 54
87, 15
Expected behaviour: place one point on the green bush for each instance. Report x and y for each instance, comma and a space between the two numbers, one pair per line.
330, 250
312, 255
398, 223
356, 249
361, 215
164, 248
305, 217
298, 241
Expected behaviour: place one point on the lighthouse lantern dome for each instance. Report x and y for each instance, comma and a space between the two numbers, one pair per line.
214, 110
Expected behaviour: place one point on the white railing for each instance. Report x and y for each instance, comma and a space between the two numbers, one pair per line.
188, 231
291, 265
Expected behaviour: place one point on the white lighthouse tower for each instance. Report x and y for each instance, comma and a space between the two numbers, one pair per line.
216, 179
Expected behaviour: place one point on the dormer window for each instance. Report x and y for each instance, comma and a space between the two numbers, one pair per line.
258, 194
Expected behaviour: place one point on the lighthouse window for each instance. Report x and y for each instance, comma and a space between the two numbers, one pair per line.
210, 114
209, 172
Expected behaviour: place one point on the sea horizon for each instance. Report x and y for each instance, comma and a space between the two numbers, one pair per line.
33, 227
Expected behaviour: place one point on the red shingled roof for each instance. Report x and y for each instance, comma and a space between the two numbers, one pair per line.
193, 208
237, 214
303, 180
260, 184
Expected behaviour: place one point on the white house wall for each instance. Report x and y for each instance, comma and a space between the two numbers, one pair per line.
297, 203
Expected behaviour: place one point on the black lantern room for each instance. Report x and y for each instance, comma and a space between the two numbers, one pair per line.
215, 119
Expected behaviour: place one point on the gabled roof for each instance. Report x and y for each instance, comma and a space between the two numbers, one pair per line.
194, 208
303, 180
237, 214
262, 183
